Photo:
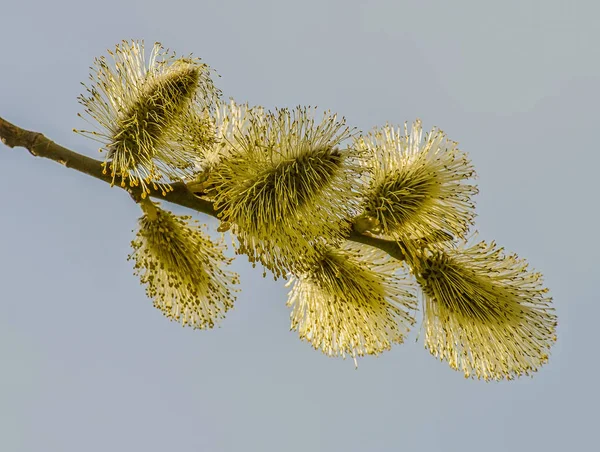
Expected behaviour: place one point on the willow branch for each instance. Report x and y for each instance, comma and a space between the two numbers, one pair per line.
40, 146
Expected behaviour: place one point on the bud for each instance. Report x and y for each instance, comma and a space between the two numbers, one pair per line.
182, 269
485, 312
154, 120
352, 302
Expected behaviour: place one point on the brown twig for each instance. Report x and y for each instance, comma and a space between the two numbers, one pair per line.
40, 146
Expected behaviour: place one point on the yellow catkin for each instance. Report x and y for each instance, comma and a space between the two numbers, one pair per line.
182, 269
419, 185
352, 302
287, 186
486, 313
152, 117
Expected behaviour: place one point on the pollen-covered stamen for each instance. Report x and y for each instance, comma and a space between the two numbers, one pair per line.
182, 269
351, 303
485, 313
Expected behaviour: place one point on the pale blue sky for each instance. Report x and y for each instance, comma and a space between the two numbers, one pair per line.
89, 365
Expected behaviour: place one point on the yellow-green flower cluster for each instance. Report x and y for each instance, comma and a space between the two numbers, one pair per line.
153, 117
287, 186
182, 269
352, 302
485, 312
290, 189
418, 187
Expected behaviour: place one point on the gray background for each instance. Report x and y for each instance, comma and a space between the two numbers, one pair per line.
88, 365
